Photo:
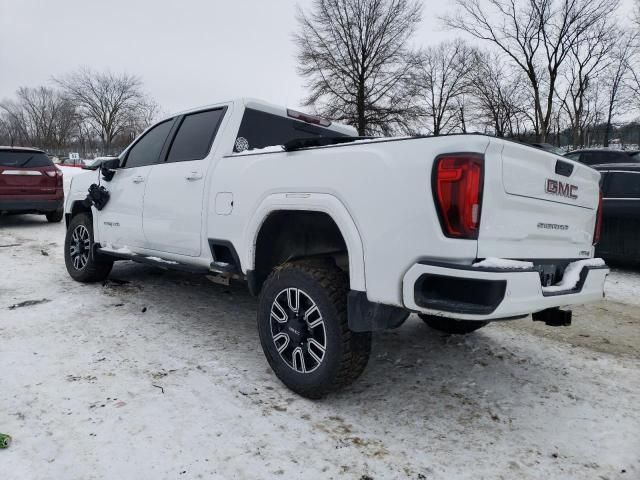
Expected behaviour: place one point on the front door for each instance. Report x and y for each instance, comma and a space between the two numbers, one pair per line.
173, 201
120, 221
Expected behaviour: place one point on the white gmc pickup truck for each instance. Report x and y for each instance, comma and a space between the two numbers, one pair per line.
339, 235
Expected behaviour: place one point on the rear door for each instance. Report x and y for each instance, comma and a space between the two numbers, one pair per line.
537, 205
173, 200
120, 222
26, 174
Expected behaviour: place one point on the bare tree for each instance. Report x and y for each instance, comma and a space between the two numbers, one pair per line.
536, 35
617, 78
9, 129
354, 56
588, 57
441, 78
108, 102
498, 93
40, 117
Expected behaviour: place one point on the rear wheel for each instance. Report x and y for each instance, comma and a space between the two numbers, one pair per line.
81, 263
450, 325
302, 322
55, 217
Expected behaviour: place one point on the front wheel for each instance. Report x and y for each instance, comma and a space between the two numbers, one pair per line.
81, 263
302, 322
450, 325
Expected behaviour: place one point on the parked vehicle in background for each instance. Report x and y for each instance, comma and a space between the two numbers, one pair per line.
73, 162
340, 235
599, 156
620, 235
547, 147
30, 183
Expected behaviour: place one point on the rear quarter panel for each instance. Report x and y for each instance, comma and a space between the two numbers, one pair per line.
385, 186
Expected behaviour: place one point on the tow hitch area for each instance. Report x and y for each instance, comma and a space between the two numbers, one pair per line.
554, 317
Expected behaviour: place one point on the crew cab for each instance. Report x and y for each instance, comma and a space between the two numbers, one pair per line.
341, 235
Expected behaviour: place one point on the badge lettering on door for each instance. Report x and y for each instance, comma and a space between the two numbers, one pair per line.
562, 189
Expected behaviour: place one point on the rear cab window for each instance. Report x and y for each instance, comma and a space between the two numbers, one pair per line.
261, 129
24, 159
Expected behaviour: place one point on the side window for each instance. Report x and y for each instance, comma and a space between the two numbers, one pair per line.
147, 150
623, 185
195, 136
573, 156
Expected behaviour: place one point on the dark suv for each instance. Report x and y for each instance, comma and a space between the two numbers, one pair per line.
620, 235
30, 183
601, 156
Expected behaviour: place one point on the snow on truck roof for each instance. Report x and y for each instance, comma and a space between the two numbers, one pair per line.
267, 107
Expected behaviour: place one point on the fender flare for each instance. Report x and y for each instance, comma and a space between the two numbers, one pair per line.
313, 202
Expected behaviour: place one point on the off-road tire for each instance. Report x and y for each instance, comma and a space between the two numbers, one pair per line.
55, 217
96, 268
346, 354
449, 325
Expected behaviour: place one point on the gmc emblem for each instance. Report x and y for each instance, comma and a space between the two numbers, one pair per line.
555, 187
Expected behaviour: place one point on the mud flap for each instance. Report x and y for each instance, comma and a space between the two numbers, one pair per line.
366, 316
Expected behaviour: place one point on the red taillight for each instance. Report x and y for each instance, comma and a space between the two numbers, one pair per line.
457, 186
596, 232
56, 172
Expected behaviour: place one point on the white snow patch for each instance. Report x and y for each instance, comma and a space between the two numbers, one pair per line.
623, 286
274, 148
280, 148
161, 260
81, 395
493, 262
572, 274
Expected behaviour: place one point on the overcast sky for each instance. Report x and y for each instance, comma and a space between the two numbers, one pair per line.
188, 53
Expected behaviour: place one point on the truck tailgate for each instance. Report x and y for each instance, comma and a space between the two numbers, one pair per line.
537, 205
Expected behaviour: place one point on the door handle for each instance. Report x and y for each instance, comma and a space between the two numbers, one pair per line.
194, 176
138, 179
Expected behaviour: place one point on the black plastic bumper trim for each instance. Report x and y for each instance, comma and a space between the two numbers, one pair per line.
473, 296
31, 205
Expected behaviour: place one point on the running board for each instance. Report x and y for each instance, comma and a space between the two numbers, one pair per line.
154, 261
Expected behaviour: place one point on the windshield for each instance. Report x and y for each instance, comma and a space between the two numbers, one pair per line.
24, 159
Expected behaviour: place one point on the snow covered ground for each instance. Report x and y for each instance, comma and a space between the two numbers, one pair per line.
159, 375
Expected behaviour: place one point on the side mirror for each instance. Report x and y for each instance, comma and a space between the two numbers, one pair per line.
111, 164
108, 168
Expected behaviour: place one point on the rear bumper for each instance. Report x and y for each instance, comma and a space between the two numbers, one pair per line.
26, 206
470, 293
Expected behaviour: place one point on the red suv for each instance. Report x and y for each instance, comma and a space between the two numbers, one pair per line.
30, 183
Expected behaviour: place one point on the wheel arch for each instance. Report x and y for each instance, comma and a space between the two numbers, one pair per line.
77, 207
300, 204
